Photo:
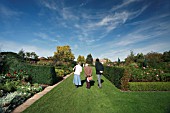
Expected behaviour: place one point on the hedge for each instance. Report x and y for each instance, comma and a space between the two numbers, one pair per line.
114, 74
149, 86
39, 74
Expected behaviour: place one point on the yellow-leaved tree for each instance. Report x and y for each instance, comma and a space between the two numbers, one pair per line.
63, 55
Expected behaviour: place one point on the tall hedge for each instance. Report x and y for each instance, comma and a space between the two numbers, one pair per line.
39, 74
114, 74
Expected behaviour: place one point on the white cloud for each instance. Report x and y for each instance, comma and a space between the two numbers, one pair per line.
124, 3
46, 37
49, 4
16, 47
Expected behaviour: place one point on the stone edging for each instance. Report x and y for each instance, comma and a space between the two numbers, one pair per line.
37, 96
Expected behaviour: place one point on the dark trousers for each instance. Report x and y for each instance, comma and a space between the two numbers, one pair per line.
87, 84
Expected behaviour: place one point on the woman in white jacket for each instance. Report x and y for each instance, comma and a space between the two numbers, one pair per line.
77, 72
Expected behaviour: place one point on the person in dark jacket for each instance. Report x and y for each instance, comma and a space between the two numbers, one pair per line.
99, 71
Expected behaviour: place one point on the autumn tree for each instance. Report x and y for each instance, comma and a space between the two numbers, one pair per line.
89, 59
81, 59
63, 55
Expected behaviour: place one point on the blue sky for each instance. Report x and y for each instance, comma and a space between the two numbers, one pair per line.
104, 28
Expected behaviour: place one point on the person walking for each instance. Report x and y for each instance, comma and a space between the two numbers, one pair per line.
99, 71
88, 74
77, 72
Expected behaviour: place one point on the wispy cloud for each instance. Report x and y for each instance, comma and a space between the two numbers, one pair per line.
8, 12
147, 29
16, 47
46, 37
123, 4
88, 25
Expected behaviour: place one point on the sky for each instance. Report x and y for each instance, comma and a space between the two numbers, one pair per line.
103, 28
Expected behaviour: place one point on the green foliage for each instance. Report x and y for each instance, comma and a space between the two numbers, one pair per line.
89, 59
125, 80
39, 74
48, 63
166, 56
67, 70
21, 53
153, 59
9, 86
59, 72
114, 74
148, 75
149, 86
42, 74
130, 58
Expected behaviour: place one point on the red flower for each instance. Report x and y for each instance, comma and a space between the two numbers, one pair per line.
8, 74
15, 72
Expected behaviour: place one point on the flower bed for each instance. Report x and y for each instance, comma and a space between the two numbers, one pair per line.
14, 90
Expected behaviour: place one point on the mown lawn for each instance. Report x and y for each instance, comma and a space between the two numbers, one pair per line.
65, 98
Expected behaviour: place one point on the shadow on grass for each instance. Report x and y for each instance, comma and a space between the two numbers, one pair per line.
82, 82
92, 83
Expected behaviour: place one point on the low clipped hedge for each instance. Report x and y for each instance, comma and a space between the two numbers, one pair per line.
114, 74
149, 86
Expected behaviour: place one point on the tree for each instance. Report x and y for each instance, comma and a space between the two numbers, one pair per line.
21, 53
130, 59
33, 55
27, 55
153, 59
89, 59
63, 55
118, 61
140, 59
81, 59
166, 56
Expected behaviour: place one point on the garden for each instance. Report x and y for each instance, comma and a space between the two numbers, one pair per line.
22, 77
134, 85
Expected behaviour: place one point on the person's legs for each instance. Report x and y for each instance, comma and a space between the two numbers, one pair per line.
99, 80
76, 80
79, 80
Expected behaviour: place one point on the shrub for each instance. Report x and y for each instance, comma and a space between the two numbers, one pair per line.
114, 74
125, 80
59, 72
148, 75
149, 86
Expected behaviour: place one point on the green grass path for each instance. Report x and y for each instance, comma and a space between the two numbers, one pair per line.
65, 98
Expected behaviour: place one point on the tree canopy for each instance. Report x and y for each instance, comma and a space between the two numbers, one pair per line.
89, 59
81, 59
63, 54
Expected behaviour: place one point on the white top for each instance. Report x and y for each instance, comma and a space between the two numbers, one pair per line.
78, 69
